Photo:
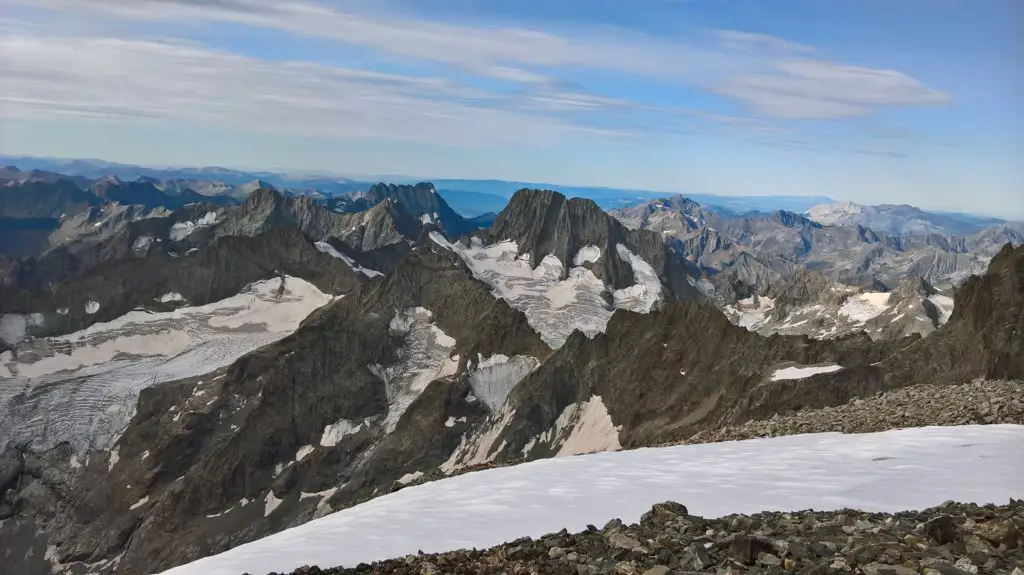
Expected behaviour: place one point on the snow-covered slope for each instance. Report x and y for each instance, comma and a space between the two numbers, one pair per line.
889, 471
554, 306
82, 387
878, 314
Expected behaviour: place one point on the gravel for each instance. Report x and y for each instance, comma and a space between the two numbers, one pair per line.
953, 539
978, 402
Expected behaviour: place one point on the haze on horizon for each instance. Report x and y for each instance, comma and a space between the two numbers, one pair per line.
915, 102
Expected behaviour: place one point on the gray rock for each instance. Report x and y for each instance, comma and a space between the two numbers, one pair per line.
624, 541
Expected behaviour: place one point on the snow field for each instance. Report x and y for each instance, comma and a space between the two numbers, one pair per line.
884, 472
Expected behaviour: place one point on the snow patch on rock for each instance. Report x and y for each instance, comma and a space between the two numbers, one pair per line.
270, 503
328, 249
142, 243
750, 312
425, 355
641, 296
801, 372
586, 254
410, 477
497, 375
862, 307
181, 230
479, 447
303, 452
334, 432
944, 305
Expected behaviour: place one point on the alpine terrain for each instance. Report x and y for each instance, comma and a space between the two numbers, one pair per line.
206, 377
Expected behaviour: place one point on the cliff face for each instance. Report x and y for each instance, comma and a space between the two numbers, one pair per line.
219, 270
984, 337
371, 388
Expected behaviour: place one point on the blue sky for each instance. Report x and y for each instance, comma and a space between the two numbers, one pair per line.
916, 101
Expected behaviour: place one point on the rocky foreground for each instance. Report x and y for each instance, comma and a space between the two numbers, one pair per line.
980, 402
953, 539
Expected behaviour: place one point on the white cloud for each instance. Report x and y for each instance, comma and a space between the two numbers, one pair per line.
750, 41
809, 89
108, 74
116, 78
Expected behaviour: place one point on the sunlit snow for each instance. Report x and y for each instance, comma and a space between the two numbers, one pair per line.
331, 251
862, 307
181, 230
426, 354
554, 306
587, 254
800, 372
888, 471
495, 376
751, 312
944, 305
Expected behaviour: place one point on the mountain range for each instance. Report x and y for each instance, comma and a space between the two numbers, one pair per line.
470, 198
187, 370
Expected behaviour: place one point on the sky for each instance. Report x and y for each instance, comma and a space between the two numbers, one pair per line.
874, 101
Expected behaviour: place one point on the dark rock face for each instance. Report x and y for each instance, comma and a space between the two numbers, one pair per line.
680, 370
145, 192
685, 368
543, 222
805, 287
378, 235
385, 216
983, 338
42, 199
209, 274
419, 201
949, 540
230, 467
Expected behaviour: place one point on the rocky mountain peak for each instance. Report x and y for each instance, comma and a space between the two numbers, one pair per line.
984, 336
822, 213
262, 195
793, 220
420, 202
676, 215
579, 233
543, 222
806, 287
246, 189
911, 287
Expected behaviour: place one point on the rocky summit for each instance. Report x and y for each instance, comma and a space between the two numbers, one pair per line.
952, 539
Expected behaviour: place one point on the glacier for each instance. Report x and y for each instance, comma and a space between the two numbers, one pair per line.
555, 307
82, 387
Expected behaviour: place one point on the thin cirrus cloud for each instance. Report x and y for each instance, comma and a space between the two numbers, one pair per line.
133, 76
140, 79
